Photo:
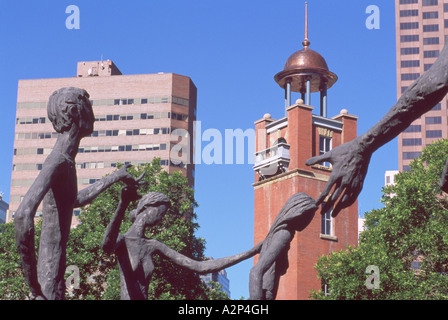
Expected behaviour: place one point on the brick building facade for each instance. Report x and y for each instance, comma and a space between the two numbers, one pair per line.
282, 148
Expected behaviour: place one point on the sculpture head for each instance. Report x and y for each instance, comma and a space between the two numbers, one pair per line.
71, 106
151, 208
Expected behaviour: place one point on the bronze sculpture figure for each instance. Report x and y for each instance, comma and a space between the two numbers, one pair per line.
71, 114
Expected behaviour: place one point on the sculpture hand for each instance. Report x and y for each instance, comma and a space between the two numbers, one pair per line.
129, 191
349, 163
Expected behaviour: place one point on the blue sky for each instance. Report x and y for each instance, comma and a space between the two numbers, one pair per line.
232, 50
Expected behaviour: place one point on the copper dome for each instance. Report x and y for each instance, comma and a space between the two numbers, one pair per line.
303, 65
306, 65
306, 59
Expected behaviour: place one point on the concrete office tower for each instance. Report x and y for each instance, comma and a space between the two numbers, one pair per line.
282, 147
135, 118
421, 33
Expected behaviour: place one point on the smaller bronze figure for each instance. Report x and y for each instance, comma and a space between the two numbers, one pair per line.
135, 251
295, 215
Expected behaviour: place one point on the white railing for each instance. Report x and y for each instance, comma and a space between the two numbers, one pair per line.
273, 160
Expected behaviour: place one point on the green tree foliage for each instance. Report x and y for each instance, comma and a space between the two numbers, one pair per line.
98, 273
407, 240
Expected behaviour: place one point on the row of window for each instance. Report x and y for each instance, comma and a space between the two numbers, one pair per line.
409, 76
94, 149
115, 117
112, 102
426, 28
418, 141
81, 181
426, 41
412, 142
414, 64
424, 2
416, 50
428, 120
82, 165
96, 133
414, 13
151, 100
411, 155
123, 148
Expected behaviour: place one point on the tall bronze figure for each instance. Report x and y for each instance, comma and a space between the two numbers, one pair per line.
71, 114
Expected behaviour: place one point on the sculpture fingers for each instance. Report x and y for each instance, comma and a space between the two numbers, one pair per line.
326, 157
330, 183
350, 194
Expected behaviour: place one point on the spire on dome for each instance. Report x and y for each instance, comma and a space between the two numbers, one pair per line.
306, 43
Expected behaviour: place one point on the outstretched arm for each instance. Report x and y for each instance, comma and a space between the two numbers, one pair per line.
111, 234
351, 160
203, 267
88, 194
128, 194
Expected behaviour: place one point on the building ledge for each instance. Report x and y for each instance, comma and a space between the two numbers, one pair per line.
321, 167
328, 237
290, 174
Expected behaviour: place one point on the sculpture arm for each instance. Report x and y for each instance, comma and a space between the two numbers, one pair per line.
351, 160
128, 194
203, 267
88, 194
112, 230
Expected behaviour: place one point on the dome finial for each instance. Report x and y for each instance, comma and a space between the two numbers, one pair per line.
306, 43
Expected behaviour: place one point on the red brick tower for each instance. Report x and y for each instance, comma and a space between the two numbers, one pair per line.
282, 147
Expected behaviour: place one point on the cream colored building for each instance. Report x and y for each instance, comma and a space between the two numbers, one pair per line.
135, 117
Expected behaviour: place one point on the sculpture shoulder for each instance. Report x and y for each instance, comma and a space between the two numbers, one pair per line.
56, 160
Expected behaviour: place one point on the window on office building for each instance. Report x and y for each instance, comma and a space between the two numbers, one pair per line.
411, 155
431, 54
405, 51
427, 66
433, 120
430, 27
434, 40
433, 133
430, 15
437, 107
430, 2
409, 13
409, 38
409, 76
408, 1
410, 63
413, 128
408, 25
412, 142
